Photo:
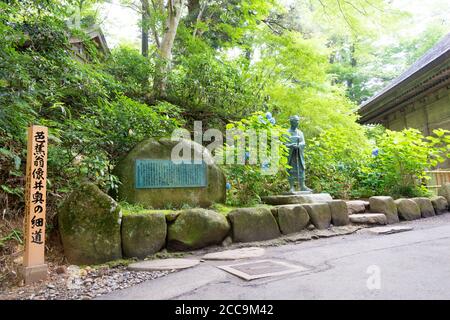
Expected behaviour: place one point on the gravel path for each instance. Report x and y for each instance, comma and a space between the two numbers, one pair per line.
76, 283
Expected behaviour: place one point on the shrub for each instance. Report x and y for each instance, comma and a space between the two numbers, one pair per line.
249, 181
333, 161
399, 161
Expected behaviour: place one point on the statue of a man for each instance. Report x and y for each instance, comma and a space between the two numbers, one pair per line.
296, 160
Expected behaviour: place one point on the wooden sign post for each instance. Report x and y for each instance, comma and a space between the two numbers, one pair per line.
34, 267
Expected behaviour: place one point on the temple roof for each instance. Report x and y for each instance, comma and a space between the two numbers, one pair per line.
439, 53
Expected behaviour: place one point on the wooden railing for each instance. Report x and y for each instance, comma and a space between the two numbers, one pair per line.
438, 178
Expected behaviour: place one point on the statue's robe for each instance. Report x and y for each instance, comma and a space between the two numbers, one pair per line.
296, 157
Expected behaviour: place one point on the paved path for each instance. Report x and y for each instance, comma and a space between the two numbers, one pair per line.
410, 265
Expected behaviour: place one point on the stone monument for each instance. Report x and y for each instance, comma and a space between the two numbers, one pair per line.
149, 176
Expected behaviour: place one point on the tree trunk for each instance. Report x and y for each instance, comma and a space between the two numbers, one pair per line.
145, 27
174, 8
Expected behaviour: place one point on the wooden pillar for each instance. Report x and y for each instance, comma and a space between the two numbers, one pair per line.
34, 267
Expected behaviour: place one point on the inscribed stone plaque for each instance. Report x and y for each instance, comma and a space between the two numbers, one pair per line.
155, 174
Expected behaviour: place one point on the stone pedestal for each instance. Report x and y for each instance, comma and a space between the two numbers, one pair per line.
34, 273
296, 193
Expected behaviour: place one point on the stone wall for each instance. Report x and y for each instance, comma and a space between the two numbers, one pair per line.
93, 231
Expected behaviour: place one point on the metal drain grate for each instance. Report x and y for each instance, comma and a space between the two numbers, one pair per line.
261, 269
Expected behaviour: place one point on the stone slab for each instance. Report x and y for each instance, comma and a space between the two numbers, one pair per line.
296, 193
368, 218
163, 264
390, 230
236, 254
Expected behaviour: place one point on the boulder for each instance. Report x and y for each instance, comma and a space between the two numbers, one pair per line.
291, 218
356, 206
297, 198
426, 207
384, 205
339, 212
197, 228
444, 191
253, 224
407, 209
161, 149
143, 234
320, 214
369, 218
440, 204
89, 224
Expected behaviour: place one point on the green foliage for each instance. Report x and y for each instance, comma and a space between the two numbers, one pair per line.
259, 174
293, 71
94, 110
236, 58
398, 165
15, 235
210, 85
131, 70
334, 160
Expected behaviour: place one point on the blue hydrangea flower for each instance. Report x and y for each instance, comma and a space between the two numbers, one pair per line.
228, 186
247, 155
272, 121
265, 165
269, 115
375, 152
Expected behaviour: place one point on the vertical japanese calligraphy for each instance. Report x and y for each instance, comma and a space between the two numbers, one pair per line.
35, 197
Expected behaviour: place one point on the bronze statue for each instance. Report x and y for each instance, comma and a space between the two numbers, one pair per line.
296, 160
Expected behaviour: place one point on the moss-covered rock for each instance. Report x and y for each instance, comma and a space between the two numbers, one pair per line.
426, 207
320, 214
253, 224
444, 191
291, 218
386, 205
197, 228
143, 234
89, 223
440, 204
174, 197
407, 209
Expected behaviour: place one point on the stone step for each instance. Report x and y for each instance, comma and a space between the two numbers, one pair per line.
368, 218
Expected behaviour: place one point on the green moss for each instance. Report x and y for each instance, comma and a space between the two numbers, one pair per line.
129, 209
197, 228
143, 234
89, 222
166, 255
225, 210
